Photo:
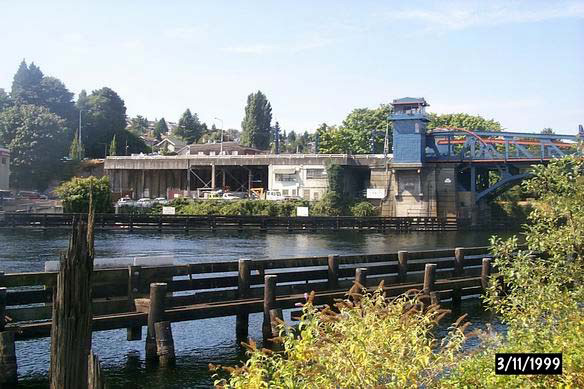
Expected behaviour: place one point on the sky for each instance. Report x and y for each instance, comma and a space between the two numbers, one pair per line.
518, 62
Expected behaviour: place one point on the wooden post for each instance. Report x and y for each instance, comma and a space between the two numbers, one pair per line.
164, 343
402, 266
361, 276
133, 333
72, 316
2, 306
155, 315
96, 380
458, 272
333, 271
269, 302
242, 319
8, 365
485, 273
429, 278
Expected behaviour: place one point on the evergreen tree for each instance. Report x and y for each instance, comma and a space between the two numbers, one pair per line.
26, 84
76, 151
189, 128
5, 100
160, 128
256, 124
82, 103
113, 148
138, 125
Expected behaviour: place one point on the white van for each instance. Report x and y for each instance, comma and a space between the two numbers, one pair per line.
274, 195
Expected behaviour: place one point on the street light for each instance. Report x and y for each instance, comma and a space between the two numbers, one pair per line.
221, 149
79, 134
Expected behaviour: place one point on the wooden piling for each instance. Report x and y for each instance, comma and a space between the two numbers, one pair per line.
96, 380
71, 314
133, 333
164, 343
276, 315
402, 266
485, 273
269, 302
242, 319
361, 276
458, 272
8, 364
333, 271
429, 278
155, 315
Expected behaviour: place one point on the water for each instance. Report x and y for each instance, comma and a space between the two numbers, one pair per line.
201, 342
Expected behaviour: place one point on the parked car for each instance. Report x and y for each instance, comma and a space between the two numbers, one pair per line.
230, 196
274, 195
144, 202
125, 202
161, 200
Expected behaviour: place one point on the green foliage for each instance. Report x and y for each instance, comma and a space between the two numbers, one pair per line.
36, 139
256, 125
5, 100
331, 204
138, 125
463, 120
160, 128
113, 146
364, 209
362, 132
372, 342
335, 174
238, 207
189, 127
75, 194
76, 150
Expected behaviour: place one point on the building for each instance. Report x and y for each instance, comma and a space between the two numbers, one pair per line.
306, 181
4, 168
225, 148
170, 144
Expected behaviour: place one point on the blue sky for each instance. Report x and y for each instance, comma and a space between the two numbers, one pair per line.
519, 62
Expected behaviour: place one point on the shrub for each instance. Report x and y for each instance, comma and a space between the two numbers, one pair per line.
75, 194
363, 209
372, 342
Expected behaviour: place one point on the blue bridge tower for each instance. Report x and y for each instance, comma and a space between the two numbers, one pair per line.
409, 121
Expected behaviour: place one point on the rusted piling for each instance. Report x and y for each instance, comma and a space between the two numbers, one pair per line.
134, 272
485, 273
402, 266
458, 272
333, 271
8, 364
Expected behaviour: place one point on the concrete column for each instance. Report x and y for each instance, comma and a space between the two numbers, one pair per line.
213, 185
223, 177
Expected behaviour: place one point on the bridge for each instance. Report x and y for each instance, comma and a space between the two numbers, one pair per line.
478, 165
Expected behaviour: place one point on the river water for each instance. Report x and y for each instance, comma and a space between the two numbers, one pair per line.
201, 342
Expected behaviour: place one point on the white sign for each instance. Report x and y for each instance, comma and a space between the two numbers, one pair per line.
301, 211
168, 211
375, 193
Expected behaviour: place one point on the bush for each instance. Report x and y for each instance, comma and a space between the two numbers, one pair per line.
75, 194
372, 342
363, 209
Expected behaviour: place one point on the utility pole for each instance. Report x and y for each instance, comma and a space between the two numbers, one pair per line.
80, 147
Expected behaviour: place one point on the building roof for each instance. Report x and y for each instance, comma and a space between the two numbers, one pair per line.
410, 100
176, 142
228, 147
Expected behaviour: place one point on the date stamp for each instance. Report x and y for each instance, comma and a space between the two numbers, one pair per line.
528, 363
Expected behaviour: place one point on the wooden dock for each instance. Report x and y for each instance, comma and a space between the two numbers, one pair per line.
130, 222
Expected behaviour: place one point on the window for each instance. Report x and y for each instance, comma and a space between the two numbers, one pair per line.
234, 152
315, 196
306, 194
284, 192
212, 153
285, 177
3, 160
314, 174
293, 192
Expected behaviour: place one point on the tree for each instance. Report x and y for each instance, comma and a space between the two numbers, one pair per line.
362, 132
75, 194
256, 124
76, 151
5, 100
276, 131
160, 128
37, 143
82, 103
113, 147
463, 120
106, 117
138, 125
30, 86
189, 127
26, 84
548, 131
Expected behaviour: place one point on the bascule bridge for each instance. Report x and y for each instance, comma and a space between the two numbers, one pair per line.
456, 172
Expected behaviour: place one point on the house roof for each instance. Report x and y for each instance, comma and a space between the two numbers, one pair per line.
228, 147
410, 100
176, 142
